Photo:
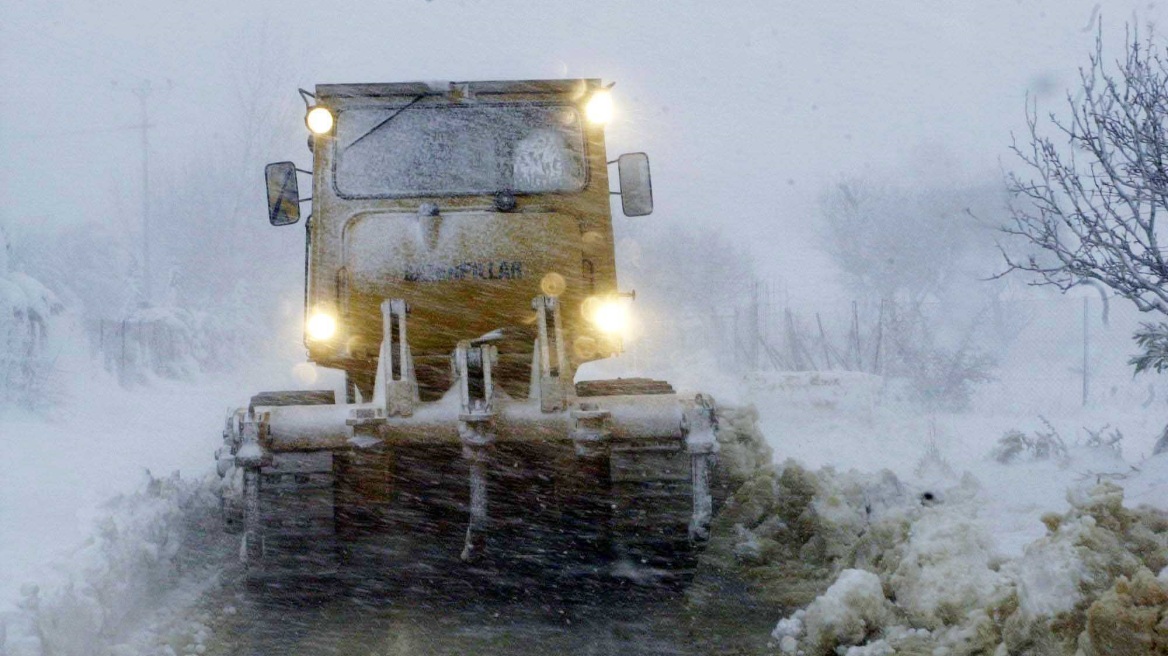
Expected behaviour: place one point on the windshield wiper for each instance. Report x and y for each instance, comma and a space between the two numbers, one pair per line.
389, 118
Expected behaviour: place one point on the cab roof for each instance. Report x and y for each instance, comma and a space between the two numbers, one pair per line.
575, 88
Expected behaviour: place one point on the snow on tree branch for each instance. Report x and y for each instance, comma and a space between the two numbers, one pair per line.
1091, 197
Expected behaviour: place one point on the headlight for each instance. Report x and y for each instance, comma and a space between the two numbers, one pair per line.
319, 120
599, 108
321, 326
610, 316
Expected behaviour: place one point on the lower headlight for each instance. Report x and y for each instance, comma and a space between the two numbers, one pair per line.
610, 316
321, 326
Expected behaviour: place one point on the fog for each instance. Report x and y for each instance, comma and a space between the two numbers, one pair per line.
748, 109
908, 452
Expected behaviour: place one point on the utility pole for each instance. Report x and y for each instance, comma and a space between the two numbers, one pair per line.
1086, 354
752, 328
142, 91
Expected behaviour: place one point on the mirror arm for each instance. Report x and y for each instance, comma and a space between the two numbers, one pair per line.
304, 172
307, 254
305, 95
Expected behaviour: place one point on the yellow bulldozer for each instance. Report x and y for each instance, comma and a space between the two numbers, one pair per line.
460, 268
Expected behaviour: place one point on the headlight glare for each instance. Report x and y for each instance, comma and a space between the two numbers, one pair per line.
321, 326
319, 120
610, 316
599, 108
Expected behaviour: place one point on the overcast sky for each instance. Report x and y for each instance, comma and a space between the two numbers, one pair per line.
747, 109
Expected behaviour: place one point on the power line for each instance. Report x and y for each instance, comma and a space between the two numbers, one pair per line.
70, 133
143, 94
86, 54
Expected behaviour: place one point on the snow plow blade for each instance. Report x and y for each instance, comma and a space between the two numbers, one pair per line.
594, 476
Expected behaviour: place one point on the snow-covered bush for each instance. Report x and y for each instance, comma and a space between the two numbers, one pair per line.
1110, 441
933, 467
90, 266
930, 289
940, 375
1152, 339
27, 314
1043, 445
200, 319
1011, 446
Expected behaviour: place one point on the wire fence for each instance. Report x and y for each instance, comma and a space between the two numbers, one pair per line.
1070, 352
172, 344
133, 349
1050, 353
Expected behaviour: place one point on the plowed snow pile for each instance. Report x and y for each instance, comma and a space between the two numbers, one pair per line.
877, 566
146, 561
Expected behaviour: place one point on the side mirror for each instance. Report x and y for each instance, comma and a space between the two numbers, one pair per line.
283, 193
636, 188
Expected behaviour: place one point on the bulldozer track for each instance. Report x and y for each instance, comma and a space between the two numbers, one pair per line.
297, 529
320, 512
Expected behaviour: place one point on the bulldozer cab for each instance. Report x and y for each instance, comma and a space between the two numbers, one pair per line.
465, 200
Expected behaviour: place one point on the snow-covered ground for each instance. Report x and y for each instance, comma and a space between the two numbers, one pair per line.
94, 493
59, 529
846, 421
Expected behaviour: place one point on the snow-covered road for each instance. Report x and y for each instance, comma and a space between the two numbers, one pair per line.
74, 565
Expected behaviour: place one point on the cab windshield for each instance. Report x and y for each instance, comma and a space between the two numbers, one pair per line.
459, 150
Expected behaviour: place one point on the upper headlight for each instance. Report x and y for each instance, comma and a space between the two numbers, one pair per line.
599, 108
319, 120
321, 326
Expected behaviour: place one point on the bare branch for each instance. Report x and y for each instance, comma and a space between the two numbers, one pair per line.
1090, 203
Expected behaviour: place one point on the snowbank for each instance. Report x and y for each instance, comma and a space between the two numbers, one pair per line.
847, 613
1131, 617
142, 550
876, 566
1041, 556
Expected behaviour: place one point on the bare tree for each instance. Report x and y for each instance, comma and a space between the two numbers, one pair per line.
918, 252
1094, 203
907, 244
1094, 194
